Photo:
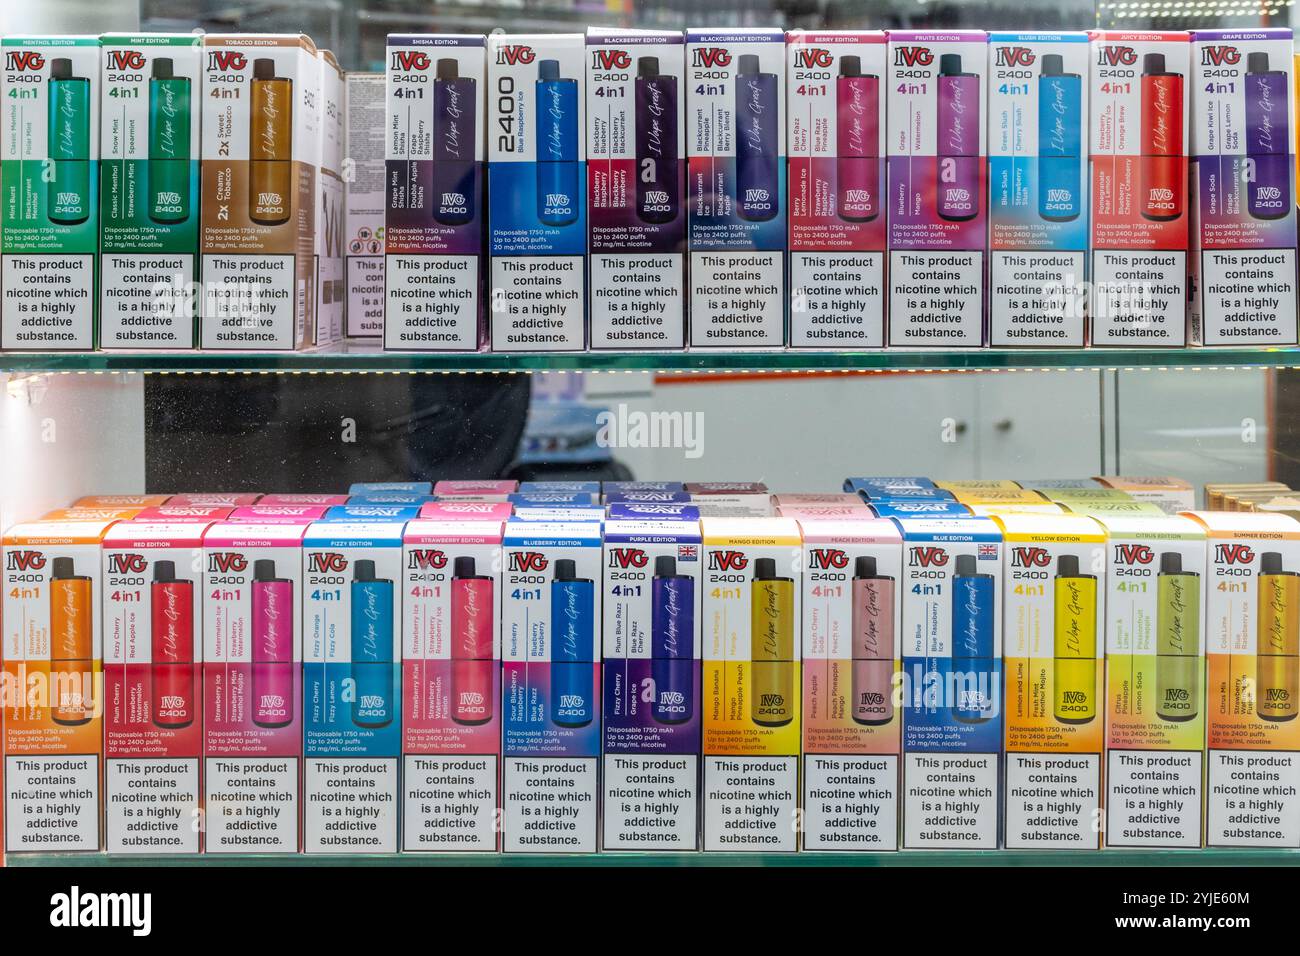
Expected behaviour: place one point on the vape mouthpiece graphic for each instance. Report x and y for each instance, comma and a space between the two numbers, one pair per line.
456, 172
68, 186
757, 118
1268, 139
1178, 640
1053, 64
1153, 64
872, 625
558, 195
950, 64
647, 66
771, 652
172, 648
851, 66
864, 566
566, 570
857, 138
548, 69
264, 570
363, 570
162, 68
164, 572
957, 141
61, 569
1074, 643
966, 566
665, 566
472, 645
572, 638
1162, 170
372, 646
270, 136
1277, 641
658, 158
672, 642
463, 567
447, 69
71, 642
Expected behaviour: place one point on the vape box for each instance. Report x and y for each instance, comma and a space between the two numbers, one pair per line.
166, 514
252, 686
92, 514
907, 494
537, 220
1138, 148
952, 686
50, 220
384, 487
216, 499
1038, 192
258, 191
918, 509
937, 205
1243, 188
1252, 589
802, 512
735, 154
476, 490
836, 84
589, 488
653, 590
852, 728
153, 675
550, 693
328, 261
859, 485
266, 514
1053, 649
839, 499
371, 511
1155, 680
121, 501
1097, 509
978, 484
391, 498
364, 203
636, 179
352, 672
451, 685
1057, 484
609, 488
54, 703
1170, 495
328, 501
151, 101
751, 632
434, 219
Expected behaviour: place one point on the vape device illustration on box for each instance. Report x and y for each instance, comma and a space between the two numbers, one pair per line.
1163, 167
1060, 167
471, 644
372, 646
873, 644
756, 141
771, 637
1268, 139
272, 650
573, 611
169, 144
557, 145
857, 133
71, 639
672, 640
972, 637
1178, 640
455, 125
1277, 646
657, 152
958, 142
270, 180
172, 648
69, 145
1074, 643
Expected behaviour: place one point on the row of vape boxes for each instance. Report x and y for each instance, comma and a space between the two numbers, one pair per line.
482, 676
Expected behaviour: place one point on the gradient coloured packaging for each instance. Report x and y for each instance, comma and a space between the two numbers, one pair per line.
852, 727
751, 680
91, 514
327, 270
652, 603
385, 487
636, 184
433, 232
550, 684
1252, 628
151, 100
252, 686
153, 653
471, 489
217, 499
121, 501
54, 685
167, 514
1138, 103
608, 488
918, 509
371, 511
952, 682
1155, 699
258, 191
50, 219
365, 200
878, 484
1170, 495
735, 178
1243, 188
836, 83
280, 514
937, 204
537, 223
1038, 188
327, 500
589, 488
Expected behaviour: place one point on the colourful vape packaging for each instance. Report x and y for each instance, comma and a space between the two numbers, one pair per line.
1038, 188
371, 511
54, 686
1138, 103
167, 514
1155, 700
636, 188
258, 191
434, 186
280, 514
937, 184
1243, 188
836, 129
591, 489
121, 501
364, 203
471, 489
153, 717
1170, 495
608, 488
150, 103
92, 514
860, 485
325, 500
751, 697
384, 487
978, 485
50, 170
735, 178
217, 499
652, 603
327, 269
834, 499
918, 509
252, 686
852, 725
537, 220
550, 684
952, 682
1252, 657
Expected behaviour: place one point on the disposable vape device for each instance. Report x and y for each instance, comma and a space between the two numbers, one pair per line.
1178, 640
1163, 167
873, 644
454, 128
169, 144
656, 143
69, 145
270, 133
70, 643
958, 141
672, 641
857, 133
372, 646
1268, 139
1277, 647
972, 640
272, 647
557, 145
1060, 168
1074, 643
756, 141
471, 644
573, 609
771, 653
172, 647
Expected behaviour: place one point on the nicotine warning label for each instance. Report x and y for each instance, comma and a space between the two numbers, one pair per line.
537, 303
146, 302
1053, 801
450, 803
1153, 798
48, 302
367, 294
1254, 798
950, 801
1036, 299
249, 302
737, 299
432, 303
152, 805
837, 300
1139, 298
936, 299
1249, 297
751, 804
550, 804
636, 301
252, 804
52, 803
651, 802
350, 805
850, 802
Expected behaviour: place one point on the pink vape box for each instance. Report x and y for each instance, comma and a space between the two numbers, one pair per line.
252, 686
460, 510
185, 514
216, 499
328, 501
451, 679
475, 489
847, 511
275, 514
